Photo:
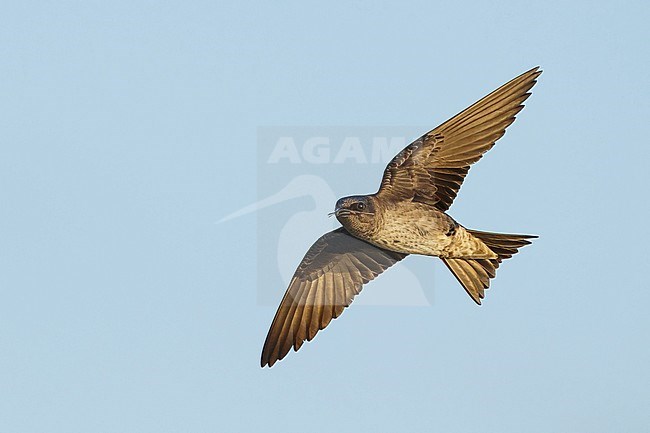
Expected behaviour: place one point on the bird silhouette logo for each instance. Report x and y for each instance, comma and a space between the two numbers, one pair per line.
308, 222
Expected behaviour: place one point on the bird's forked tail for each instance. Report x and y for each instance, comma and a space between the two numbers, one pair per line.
475, 274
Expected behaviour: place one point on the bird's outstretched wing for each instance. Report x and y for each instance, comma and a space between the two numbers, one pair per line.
433, 167
329, 277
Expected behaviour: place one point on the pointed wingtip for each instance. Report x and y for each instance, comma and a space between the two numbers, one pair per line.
267, 360
531, 74
536, 72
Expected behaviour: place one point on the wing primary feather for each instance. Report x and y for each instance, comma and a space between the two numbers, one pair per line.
326, 281
328, 306
285, 337
455, 145
296, 327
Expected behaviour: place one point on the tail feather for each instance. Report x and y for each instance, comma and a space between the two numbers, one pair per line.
475, 274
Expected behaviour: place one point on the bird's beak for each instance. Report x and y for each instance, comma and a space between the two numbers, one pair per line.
341, 212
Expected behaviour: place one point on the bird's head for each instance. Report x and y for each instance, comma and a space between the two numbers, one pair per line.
356, 213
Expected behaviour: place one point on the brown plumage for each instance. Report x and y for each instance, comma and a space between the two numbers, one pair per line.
406, 216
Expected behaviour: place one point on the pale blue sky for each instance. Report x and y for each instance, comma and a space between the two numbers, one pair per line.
127, 129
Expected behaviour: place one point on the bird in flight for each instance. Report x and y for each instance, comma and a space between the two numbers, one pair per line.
407, 215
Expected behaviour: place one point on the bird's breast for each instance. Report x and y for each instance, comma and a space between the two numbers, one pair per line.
413, 228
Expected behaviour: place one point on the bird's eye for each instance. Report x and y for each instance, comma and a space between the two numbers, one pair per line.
360, 206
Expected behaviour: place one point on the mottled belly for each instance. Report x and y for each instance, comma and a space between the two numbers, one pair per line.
414, 231
426, 234
413, 242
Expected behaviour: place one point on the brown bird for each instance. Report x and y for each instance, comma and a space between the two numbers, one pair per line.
406, 216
